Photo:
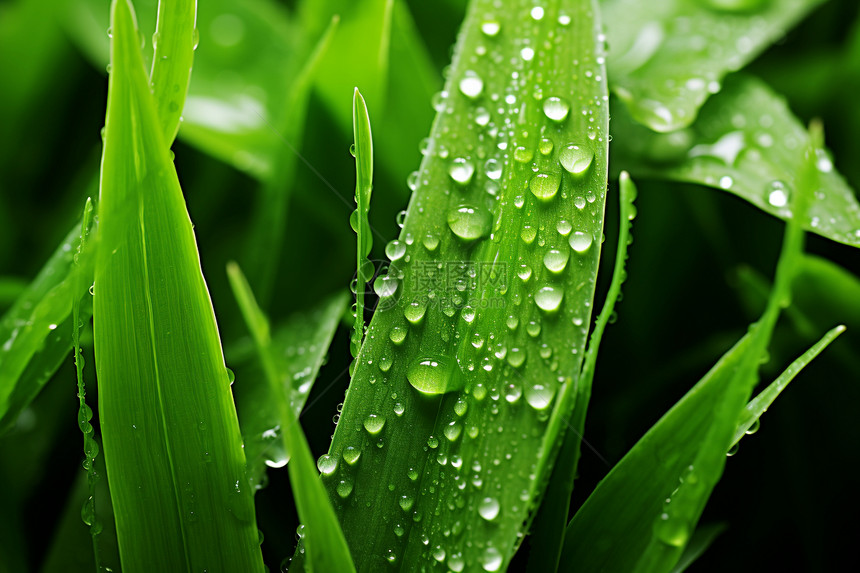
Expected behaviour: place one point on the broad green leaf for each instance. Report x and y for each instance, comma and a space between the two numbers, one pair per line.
547, 534
36, 332
746, 141
751, 414
324, 542
172, 445
298, 349
469, 367
653, 498
666, 58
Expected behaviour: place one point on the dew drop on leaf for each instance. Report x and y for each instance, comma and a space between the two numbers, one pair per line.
469, 222
576, 159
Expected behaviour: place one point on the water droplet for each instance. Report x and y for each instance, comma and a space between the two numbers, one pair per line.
461, 170
555, 108
489, 508
516, 357
406, 502
537, 13
432, 376
351, 455
549, 298
576, 159
754, 428
726, 182
672, 530
413, 180
527, 53
492, 559
414, 313
430, 241
452, 431
352, 149
777, 194
469, 222
490, 28
344, 488
400, 219
513, 392
523, 154
471, 85
544, 186
385, 286
580, 242
327, 464
439, 554
539, 396
493, 169
556, 260
533, 328
397, 335
545, 146
395, 250
374, 424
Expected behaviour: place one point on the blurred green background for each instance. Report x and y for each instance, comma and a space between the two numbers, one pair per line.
789, 496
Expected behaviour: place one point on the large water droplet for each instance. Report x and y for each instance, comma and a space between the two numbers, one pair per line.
327, 464
539, 396
469, 222
395, 250
549, 298
374, 424
489, 508
461, 170
351, 454
471, 85
576, 159
777, 193
434, 375
544, 186
490, 28
555, 108
580, 242
414, 312
491, 560
556, 260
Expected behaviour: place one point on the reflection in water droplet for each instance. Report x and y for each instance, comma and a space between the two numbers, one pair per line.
469, 222
777, 193
471, 85
490, 28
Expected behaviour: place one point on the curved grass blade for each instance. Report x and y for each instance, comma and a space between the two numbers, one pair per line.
471, 359
668, 57
745, 142
298, 350
751, 414
363, 151
36, 333
323, 540
641, 516
172, 445
174, 42
552, 517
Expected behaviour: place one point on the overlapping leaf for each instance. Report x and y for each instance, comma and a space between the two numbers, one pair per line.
172, 445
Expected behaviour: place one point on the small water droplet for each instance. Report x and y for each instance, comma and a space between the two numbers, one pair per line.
374, 424
471, 85
461, 170
555, 260
544, 186
777, 193
489, 508
576, 159
549, 298
490, 28
327, 464
580, 242
351, 455
539, 396
491, 559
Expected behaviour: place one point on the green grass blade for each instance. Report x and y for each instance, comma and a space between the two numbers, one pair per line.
268, 223
744, 142
757, 406
363, 151
680, 459
453, 373
702, 538
323, 540
298, 348
36, 333
668, 57
171, 438
174, 43
547, 534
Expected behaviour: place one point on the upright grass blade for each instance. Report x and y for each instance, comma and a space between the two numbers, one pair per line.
324, 543
653, 497
171, 438
668, 57
298, 349
174, 42
745, 141
547, 534
363, 150
470, 363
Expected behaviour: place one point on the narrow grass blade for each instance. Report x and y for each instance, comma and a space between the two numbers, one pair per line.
745, 142
36, 333
547, 534
298, 350
703, 538
668, 57
470, 363
324, 543
268, 223
641, 516
749, 420
363, 150
171, 438
174, 42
